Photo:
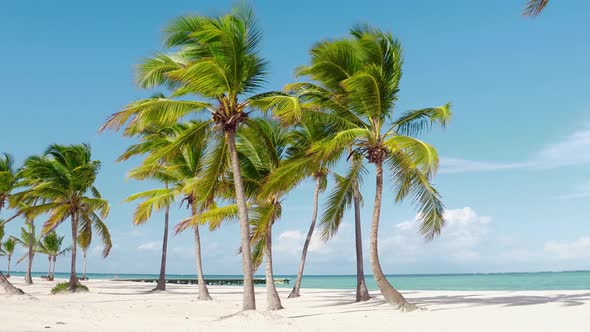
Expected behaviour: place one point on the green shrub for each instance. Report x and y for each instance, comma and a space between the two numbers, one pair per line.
62, 287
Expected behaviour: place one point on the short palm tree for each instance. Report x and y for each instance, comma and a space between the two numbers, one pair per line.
65, 188
8, 250
535, 7
262, 146
215, 59
367, 67
296, 168
84, 240
28, 240
345, 194
51, 245
184, 147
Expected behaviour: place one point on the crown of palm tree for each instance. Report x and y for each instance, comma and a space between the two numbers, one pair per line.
358, 82
8, 178
63, 180
51, 245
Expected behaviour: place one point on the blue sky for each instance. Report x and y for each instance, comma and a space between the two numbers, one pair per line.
515, 171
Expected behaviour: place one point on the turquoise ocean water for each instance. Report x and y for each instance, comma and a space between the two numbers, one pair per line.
576, 280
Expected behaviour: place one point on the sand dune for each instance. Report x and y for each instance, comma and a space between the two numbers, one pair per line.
126, 306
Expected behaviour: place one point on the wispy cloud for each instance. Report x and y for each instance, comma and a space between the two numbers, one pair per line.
569, 151
577, 249
150, 246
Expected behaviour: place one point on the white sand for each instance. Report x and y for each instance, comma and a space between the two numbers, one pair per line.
127, 306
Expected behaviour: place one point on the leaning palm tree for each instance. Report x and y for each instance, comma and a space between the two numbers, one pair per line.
28, 240
367, 66
215, 59
8, 250
8, 178
66, 189
535, 7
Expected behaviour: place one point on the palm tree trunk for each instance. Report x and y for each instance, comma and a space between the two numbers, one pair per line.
28, 276
8, 287
84, 266
314, 215
362, 293
8, 270
49, 268
203, 291
53, 268
390, 294
73, 277
161, 286
272, 297
249, 301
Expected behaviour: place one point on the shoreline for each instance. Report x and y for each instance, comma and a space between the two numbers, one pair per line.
130, 306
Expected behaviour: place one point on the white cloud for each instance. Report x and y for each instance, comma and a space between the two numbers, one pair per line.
150, 246
569, 151
459, 241
578, 249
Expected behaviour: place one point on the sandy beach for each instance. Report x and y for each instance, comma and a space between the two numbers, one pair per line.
128, 306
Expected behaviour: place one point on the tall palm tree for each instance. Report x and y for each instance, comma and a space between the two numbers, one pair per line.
367, 67
8, 250
215, 59
29, 240
51, 245
8, 178
66, 188
535, 7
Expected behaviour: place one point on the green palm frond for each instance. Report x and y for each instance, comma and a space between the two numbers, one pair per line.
341, 197
423, 155
154, 199
417, 121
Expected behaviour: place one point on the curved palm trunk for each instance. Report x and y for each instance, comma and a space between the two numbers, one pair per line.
8, 287
28, 275
273, 300
390, 294
314, 215
203, 291
362, 293
249, 302
73, 277
161, 286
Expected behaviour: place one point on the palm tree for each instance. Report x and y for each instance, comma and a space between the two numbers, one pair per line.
535, 7
29, 240
8, 178
345, 193
84, 241
8, 250
66, 189
295, 169
216, 59
366, 67
50, 245
262, 147
184, 147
